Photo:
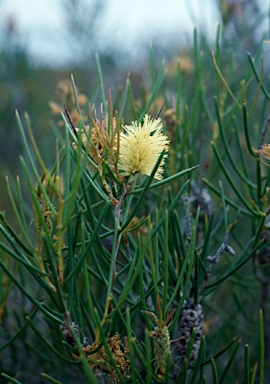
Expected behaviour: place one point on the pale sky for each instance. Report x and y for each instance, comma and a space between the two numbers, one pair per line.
133, 22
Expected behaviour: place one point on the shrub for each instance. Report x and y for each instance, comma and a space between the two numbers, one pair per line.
142, 254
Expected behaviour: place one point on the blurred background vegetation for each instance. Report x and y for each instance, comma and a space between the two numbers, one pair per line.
28, 85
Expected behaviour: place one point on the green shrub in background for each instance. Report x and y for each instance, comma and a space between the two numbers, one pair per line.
142, 255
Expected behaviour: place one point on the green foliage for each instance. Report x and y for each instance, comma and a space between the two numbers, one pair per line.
103, 275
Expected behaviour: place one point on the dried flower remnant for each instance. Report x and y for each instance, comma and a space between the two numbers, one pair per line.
99, 142
100, 361
65, 96
97, 138
94, 139
265, 151
141, 146
101, 139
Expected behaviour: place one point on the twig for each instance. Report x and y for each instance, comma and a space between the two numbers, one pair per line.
215, 259
160, 110
70, 120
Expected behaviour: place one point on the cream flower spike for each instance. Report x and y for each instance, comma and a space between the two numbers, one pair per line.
141, 146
